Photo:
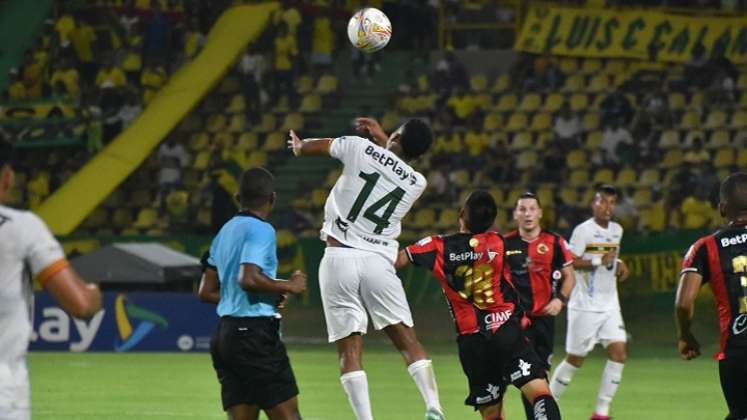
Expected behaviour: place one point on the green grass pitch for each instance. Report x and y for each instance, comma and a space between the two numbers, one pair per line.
656, 385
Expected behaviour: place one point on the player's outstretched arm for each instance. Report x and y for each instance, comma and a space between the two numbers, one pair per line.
209, 291
684, 305
254, 280
308, 147
372, 127
78, 298
402, 260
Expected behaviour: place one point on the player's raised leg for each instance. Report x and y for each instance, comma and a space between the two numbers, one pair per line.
419, 367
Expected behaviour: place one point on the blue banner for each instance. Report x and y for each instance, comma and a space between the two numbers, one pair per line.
127, 322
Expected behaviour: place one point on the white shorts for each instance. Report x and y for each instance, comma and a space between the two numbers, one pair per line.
353, 281
15, 395
586, 329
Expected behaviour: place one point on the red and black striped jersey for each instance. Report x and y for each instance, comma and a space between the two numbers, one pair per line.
721, 258
535, 267
473, 276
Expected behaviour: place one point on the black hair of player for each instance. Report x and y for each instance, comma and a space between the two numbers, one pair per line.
257, 188
734, 195
6, 153
416, 138
529, 195
607, 189
481, 211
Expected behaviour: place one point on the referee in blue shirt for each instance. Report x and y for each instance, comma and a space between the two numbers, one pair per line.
248, 355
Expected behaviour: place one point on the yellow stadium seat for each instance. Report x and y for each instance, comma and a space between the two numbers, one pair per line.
642, 197
546, 196
327, 84
724, 158
649, 177
507, 103
579, 102
690, 120
742, 159
574, 83
177, 204
739, 119
626, 177
99, 218
586, 195
390, 121
568, 65
460, 177
267, 124
577, 159
274, 142
569, 196
484, 101
229, 84
719, 139
292, 121
615, 66
319, 198
526, 159
256, 158
677, 101
591, 66
202, 160
543, 138
697, 101
541, 121
478, 83
492, 122
553, 102
310, 104
517, 121
146, 218
122, 218
530, 102
247, 140
521, 141
237, 104
304, 85
424, 218
578, 178
502, 83
692, 135
590, 121
672, 159
669, 139
448, 219
715, 119
594, 140
599, 83
216, 122
603, 176
237, 123
199, 141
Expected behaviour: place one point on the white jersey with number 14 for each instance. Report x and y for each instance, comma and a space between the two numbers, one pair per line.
365, 208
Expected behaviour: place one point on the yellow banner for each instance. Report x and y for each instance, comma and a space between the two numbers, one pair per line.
635, 34
68, 207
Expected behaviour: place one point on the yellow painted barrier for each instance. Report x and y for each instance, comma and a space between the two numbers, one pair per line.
68, 207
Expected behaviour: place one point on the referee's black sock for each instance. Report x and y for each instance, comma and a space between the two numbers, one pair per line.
545, 408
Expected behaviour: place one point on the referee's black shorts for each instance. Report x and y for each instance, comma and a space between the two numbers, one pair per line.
733, 374
251, 362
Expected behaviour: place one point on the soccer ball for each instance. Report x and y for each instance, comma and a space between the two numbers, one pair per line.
369, 30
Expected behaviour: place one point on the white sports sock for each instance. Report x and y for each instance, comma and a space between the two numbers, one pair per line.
356, 386
561, 378
610, 381
425, 379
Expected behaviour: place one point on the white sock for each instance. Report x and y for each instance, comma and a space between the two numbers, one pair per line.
356, 386
610, 381
561, 378
425, 379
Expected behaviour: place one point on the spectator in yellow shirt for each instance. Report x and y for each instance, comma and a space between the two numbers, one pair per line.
132, 63
110, 76
285, 52
64, 25
152, 79
68, 76
462, 106
288, 15
697, 211
32, 76
82, 37
322, 42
